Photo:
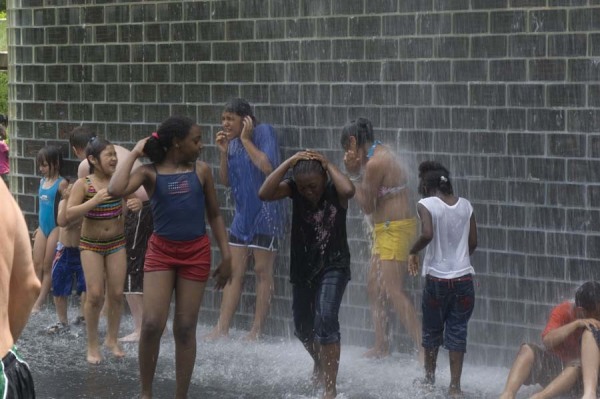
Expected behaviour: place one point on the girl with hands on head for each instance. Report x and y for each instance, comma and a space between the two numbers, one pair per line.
319, 254
249, 151
178, 258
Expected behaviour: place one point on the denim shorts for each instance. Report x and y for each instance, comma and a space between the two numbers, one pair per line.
447, 306
316, 307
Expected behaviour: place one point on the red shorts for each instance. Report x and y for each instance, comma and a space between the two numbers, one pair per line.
191, 259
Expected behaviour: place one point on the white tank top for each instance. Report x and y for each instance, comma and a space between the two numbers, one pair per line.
447, 255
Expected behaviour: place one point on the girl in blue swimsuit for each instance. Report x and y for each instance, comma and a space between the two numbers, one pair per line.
52, 184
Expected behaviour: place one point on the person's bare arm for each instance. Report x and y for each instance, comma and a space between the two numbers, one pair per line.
424, 239
366, 190
24, 285
343, 185
223, 147
123, 182
557, 336
472, 235
258, 158
274, 187
223, 272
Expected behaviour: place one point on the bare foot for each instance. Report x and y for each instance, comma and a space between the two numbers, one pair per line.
252, 336
94, 356
133, 337
214, 335
509, 396
376, 353
588, 396
115, 349
329, 395
455, 393
35, 310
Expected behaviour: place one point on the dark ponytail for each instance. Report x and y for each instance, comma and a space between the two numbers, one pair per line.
161, 141
434, 177
361, 129
94, 148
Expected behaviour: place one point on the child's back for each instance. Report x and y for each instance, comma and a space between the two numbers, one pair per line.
447, 255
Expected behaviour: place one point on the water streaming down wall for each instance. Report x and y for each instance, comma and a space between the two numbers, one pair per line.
504, 92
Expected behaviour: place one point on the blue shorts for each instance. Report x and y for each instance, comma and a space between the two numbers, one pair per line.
259, 241
66, 265
316, 308
447, 306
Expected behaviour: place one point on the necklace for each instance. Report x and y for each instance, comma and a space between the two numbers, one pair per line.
372, 149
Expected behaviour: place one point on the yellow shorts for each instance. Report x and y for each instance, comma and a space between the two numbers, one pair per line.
392, 240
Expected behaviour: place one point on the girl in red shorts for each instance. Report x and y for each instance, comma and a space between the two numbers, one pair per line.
181, 192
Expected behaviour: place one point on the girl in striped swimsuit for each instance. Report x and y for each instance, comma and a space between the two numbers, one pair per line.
102, 245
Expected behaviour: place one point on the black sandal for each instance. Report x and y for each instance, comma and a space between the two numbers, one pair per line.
57, 328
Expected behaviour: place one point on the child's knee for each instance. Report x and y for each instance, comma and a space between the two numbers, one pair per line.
526, 353
94, 299
184, 333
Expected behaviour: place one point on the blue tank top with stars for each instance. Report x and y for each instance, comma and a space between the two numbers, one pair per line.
178, 205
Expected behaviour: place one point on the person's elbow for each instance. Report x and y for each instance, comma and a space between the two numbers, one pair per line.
33, 286
348, 192
263, 194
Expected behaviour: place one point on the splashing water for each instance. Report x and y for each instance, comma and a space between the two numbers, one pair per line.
232, 368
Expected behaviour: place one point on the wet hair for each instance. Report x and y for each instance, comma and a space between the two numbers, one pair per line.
307, 167
361, 129
434, 177
80, 137
94, 148
158, 145
2, 132
588, 296
53, 157
240, 107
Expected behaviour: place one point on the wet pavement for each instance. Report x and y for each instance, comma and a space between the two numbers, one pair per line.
230, 368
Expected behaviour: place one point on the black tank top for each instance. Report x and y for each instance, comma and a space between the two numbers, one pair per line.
319, 240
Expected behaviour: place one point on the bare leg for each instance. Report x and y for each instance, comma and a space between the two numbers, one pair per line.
393, 273
590, 360
430, 364
158, 289
116, 270
93, 269
561, 384
456, 365
330, 362
39, 251
519, 372
232, 292
263, 268
313, 350
60, 302
378, 312
136, 305
188, 298
47, 269
82, 304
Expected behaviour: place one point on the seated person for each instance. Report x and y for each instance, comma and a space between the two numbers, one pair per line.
557, 367
590, 361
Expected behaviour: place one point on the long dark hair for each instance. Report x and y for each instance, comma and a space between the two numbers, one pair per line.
434, 176
52, 155
161, 141
94, 148
361, 129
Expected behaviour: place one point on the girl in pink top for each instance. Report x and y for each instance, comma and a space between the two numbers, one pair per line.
4, 166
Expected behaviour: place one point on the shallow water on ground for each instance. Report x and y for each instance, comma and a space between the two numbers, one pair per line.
232, 368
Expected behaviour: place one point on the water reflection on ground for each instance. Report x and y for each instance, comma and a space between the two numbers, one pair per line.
273, 368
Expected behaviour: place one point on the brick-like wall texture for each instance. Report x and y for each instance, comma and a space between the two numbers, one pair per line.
504, 92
